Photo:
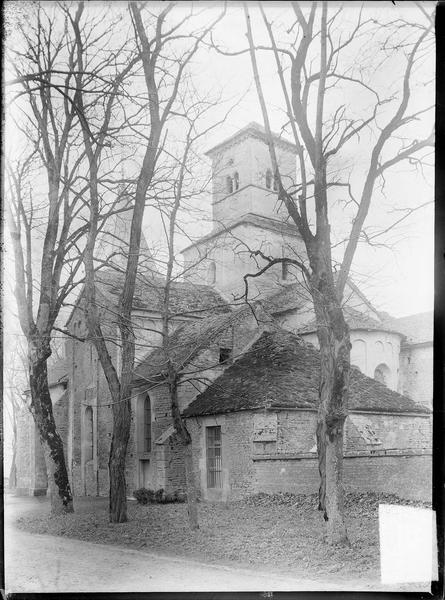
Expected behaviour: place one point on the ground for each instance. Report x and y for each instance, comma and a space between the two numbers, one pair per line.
262, 543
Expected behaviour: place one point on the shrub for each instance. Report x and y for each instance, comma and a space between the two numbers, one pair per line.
146, 496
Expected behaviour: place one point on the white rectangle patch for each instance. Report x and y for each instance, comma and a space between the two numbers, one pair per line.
408, 544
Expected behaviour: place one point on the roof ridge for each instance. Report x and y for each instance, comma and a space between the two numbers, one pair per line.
282, 366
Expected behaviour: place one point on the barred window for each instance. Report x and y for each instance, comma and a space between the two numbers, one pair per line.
214, 470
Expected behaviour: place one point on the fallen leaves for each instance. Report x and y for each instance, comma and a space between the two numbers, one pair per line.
281, 531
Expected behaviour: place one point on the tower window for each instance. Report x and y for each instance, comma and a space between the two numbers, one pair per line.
271, 181
232, 182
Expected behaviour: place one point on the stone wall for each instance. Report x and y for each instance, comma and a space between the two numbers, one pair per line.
230, 254
406, 475
249, 157
416, 373
371, 349
238, 469
30, 461
88, 388
276, 451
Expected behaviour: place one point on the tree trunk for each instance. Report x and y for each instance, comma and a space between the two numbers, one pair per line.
186, 441
192, 501
117, 462
333, 337
42, 411
331, 494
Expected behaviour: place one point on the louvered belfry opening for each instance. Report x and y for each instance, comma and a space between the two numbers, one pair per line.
214, 468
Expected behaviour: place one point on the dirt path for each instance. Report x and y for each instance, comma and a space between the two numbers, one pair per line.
43, 563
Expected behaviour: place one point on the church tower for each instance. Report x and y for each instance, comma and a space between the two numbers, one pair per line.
246, 217
113, 242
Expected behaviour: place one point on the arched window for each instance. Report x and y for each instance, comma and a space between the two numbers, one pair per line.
382, 374
379, 348
229, 184
269, 179
147, 424
211, 273
236, 180
89, 437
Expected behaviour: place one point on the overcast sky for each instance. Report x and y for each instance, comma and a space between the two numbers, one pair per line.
398, 277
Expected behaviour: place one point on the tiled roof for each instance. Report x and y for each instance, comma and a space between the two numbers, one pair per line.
253, 129
282, 227
289, 297
295, 296
281, 370
185, 343
417, 328
356, 320
185, 298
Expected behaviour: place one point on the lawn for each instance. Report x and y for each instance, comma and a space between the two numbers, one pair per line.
283, 533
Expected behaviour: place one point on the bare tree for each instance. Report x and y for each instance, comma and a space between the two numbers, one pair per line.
185, 186
164, 68
43, 212
308, 69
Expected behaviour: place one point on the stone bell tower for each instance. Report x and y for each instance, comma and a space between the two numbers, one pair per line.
246, 215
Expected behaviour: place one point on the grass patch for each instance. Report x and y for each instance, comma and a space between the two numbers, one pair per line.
283, 532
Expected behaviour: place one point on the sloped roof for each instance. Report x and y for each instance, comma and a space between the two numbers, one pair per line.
185, 343
281, 227
356, 320
282, 370
294, 296
253, 129
185, 298
290, 296
417, 328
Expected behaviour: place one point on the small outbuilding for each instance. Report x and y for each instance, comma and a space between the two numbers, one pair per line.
253, 428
